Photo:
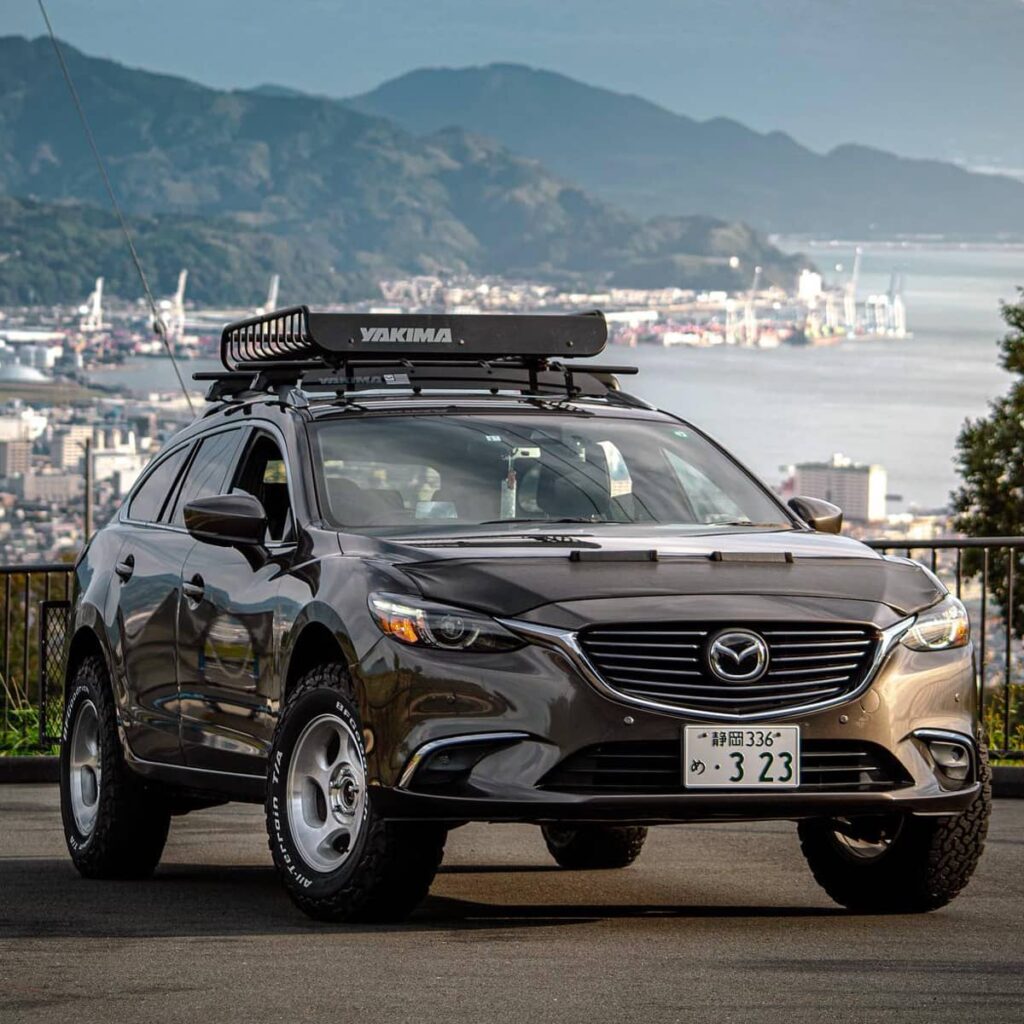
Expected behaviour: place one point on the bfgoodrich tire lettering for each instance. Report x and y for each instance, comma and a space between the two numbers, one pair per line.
124, 831
388, 866
927, 863
594, 846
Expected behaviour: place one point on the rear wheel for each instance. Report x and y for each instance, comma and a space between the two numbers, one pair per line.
338, 860
594, 846
899, 864
114, 826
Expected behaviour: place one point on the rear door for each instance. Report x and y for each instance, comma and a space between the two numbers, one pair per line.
147, 579
226, 625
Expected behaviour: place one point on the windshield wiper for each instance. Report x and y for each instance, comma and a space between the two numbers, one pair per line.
563, 519
747, 522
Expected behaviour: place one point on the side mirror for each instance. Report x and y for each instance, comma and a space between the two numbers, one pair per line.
819, 515
232, 520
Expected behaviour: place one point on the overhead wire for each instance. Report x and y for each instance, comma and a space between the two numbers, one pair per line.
159, 325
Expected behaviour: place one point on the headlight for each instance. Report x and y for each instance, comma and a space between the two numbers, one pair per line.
426, 624
940, 628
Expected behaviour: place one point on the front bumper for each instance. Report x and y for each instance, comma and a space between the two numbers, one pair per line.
661, 809
547, 710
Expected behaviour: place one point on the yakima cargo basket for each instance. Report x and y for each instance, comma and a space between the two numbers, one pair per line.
300, 334
349, 352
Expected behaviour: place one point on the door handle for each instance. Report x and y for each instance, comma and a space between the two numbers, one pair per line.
125, 568
194, 588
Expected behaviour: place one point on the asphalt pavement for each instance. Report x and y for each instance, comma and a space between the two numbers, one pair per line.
713, 923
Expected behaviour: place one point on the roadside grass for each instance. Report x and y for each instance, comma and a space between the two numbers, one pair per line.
19, 737
19, 724
995, 723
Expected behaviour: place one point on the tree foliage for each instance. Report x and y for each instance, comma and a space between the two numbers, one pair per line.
990, 458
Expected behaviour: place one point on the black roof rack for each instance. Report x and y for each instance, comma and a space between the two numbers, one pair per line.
299, 334
348, 352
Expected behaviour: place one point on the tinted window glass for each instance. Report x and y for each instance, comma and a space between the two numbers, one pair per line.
207, 471
430, 472
263, 475
149, 499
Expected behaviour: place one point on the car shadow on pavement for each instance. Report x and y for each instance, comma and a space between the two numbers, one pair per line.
46, 898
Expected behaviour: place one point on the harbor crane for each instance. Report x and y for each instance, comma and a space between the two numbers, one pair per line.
271, 301
173, 311
749, 319
92, 311
850, 298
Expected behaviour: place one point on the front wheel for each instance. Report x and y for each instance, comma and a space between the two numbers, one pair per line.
594, 846
899, 864
338, 860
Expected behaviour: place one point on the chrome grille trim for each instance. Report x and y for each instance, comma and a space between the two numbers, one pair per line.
654, 661
799, 702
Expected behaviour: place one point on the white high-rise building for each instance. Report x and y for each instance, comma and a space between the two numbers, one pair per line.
858, 489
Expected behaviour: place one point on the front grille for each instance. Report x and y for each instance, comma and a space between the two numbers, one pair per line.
839, 766
667, 663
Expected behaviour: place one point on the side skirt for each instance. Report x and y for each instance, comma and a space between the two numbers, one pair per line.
217, 785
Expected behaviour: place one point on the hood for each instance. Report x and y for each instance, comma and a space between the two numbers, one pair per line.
510, 575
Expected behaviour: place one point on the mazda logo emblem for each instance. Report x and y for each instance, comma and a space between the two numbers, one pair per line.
738, 656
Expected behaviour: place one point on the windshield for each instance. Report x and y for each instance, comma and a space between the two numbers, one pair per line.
419, 473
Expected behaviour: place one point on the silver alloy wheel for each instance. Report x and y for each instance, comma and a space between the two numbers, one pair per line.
326, 793
85, 771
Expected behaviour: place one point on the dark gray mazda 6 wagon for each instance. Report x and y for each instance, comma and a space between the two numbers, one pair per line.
410, 572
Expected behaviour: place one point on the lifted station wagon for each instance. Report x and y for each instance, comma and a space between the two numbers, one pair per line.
409, 572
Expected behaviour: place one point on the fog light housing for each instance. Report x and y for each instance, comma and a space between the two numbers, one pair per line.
447, 762
951, 753
953, 758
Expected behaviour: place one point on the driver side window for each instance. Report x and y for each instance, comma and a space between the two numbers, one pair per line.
263, 474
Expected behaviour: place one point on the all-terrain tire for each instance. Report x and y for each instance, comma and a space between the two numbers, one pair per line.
388, 869
594, 846
927, 864
129, 820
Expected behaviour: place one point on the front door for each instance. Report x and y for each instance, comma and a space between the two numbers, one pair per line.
146, 581
226, 647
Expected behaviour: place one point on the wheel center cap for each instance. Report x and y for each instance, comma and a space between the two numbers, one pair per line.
345, 789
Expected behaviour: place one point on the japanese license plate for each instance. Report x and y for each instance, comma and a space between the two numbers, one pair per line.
751, 757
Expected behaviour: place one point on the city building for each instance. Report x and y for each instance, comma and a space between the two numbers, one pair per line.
858, 489
19, 423
55, 487
15, 457
68, 447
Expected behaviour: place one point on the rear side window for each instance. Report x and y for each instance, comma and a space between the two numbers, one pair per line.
207, 472
149, 499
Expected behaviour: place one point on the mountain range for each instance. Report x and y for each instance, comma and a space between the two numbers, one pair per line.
648, 160
331, 197
492, 170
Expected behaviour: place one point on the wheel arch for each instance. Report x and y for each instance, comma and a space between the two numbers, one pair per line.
85, 643
315, 640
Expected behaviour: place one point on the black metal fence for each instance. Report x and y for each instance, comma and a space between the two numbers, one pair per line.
972, 568
34, 599
34, 615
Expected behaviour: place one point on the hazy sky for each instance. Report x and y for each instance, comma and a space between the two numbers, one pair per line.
927, 77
